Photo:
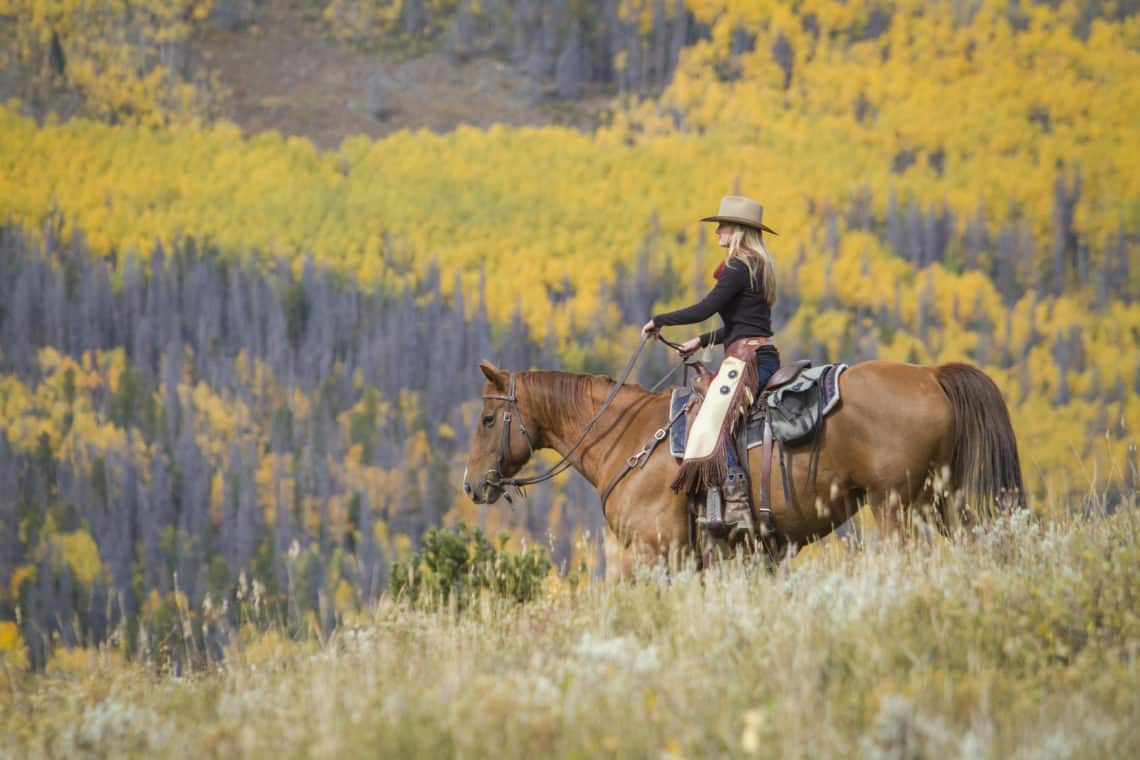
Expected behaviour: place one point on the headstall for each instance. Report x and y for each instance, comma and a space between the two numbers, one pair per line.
494, 477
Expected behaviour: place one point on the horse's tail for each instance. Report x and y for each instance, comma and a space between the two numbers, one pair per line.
984, 469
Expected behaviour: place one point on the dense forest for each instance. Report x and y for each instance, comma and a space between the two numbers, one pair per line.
199, 422
230, 360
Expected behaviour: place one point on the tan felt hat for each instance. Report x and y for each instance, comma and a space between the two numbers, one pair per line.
740, 210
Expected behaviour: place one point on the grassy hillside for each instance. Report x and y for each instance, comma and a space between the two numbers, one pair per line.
1021, 644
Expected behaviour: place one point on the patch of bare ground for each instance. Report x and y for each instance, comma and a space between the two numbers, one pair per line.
283, 74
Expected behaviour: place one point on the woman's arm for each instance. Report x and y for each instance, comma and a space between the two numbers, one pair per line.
732, 280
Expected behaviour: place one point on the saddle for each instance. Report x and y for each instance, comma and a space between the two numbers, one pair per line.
758, 431
784, 377
788, 411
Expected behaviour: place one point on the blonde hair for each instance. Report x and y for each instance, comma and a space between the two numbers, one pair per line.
747, 244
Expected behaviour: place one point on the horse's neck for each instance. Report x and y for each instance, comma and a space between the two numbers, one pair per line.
562, 404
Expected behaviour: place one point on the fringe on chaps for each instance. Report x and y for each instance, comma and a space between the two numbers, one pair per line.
699, 473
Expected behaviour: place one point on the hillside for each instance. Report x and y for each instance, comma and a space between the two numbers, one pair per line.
284, 67
323, 92
213, 364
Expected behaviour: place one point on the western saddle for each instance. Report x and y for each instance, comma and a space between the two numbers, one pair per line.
786, 373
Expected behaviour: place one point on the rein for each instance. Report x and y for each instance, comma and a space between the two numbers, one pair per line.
495, 477
687, 362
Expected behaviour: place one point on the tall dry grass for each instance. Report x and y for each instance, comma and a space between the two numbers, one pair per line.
1021, 643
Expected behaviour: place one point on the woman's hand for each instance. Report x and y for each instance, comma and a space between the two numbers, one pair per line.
649, 329
689, 347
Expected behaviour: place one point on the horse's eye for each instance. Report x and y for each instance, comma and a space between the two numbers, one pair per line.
488, 420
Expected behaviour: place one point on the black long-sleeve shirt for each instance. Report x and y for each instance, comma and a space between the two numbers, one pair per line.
742, 308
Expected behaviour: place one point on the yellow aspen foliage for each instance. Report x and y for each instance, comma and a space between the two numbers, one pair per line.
22, 574
311, 515
13, 651
465, 511
829, 328
956, 345
274, 481
217, 498
344, 597
403, 547
419, 452
380, 533
79, 551
115, 55
904, 347
410, 412
267, 647
73, 661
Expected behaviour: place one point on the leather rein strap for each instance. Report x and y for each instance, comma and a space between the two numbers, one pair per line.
764, 507
495, 477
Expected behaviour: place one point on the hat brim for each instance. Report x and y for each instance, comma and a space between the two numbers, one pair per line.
739, 220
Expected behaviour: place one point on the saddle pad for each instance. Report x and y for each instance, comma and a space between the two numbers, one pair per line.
677, 433
825, 375
830, 386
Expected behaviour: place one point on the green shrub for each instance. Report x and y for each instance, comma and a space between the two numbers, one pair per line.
460, 565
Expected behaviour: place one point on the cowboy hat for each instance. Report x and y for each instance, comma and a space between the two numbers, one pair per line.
740, 210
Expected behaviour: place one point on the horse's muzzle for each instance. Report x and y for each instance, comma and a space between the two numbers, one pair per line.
485, 493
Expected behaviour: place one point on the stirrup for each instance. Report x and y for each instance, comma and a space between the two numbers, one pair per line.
713, 518
738, 504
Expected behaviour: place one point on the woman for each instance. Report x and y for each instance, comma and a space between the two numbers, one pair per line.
745, 289
743, 296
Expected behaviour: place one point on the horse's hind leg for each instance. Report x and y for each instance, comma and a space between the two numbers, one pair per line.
852, 530
893, 506
904, 513
885, 505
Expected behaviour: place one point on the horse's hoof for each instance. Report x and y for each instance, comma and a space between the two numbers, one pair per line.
715, 528
740, 533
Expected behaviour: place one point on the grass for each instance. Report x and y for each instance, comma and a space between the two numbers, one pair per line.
1022, 643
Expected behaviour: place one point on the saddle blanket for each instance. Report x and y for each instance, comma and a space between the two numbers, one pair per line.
826, 376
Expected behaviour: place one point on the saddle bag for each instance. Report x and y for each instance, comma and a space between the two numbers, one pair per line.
795, 409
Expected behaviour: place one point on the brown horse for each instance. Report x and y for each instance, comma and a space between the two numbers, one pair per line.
908, 440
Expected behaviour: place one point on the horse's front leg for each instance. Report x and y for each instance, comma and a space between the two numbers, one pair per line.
642, 557
649, 519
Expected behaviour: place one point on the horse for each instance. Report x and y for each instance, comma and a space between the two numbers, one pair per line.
908, 440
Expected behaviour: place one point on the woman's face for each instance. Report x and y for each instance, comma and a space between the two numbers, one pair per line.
724, 232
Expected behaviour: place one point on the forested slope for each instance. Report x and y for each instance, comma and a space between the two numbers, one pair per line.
207, 349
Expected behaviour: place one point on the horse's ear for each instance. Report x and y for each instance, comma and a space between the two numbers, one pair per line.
494, 374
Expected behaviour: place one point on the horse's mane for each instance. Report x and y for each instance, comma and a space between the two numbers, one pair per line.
554, 393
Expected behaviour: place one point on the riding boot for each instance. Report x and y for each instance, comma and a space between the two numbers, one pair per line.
738, 504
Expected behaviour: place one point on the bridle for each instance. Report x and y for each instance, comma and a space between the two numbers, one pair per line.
494, 477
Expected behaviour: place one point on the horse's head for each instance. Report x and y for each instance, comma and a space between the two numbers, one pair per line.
502, 442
